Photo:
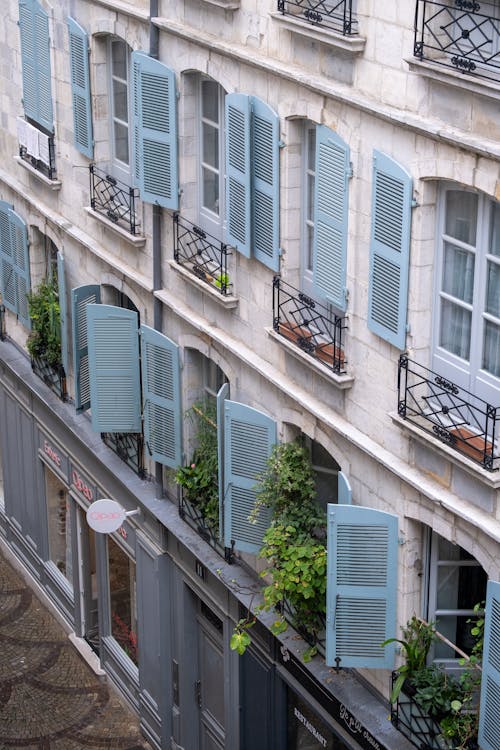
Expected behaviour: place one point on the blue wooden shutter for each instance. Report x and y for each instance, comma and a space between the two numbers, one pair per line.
265, 202
389, 250
35, 57
249, 436
82, 296
63, 311
115, 397
80, 88
136, 121
7, 274
238, 173
361, 586
344, 492
222, 395
489, 707
155, 128
21, 265
161, 397
331, 206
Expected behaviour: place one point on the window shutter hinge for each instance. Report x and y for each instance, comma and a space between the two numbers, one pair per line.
408, 328
280, 251
414, 203
349, 171
401, 540
177, 94
281, 143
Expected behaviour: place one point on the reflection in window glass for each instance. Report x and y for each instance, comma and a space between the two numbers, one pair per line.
122, 594
59, 526
455, 329
461, 215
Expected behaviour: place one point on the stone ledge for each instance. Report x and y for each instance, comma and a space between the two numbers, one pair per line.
226, 4
229, 302
353, 45
137, 240
450, 77
52, 184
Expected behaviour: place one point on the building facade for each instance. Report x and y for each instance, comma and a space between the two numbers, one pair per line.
289, 211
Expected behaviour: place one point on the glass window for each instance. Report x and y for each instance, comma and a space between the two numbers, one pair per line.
59, 525
122, 596
210, 155
119, 105
309, 179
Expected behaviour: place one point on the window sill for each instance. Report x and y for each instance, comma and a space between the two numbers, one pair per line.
52, 184
353, 45
444, 75
134, 239
343, 382
489, 478
229, 302
227, 4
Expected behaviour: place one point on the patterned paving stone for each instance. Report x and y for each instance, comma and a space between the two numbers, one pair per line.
49, 697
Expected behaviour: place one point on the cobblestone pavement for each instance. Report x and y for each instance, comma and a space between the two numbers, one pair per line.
50, 699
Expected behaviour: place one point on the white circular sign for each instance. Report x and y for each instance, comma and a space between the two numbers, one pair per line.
105, 516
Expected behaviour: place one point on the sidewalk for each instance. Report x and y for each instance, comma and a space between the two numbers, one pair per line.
50, 699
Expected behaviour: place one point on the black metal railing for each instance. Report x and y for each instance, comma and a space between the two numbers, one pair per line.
129, 446
407, 716
46, 165
462, 34
114, 199
53, 377
208, 530
202, 254
453, 415
3, 330
309, 325
335, 15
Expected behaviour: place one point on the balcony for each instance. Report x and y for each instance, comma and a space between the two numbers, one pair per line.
202, 255
36, 148
328, 14
129, 446
53, 377
462, 35
449, 413
114, 199
309, 325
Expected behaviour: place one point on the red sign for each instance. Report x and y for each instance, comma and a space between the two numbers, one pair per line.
52, 453
80, 485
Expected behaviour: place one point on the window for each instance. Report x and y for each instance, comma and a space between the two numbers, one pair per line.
467, 300
211, 156
119, 116
59, 526
123, 599
456, 582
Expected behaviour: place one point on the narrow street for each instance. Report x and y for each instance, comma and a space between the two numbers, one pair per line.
50, 699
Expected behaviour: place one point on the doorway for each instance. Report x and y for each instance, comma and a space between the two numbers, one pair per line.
87, 576
210, 683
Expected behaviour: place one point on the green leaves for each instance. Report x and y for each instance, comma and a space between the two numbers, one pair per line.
44, 341
239, 642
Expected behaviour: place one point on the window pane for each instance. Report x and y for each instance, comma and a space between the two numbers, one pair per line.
211, 191
449, 551
495, 230
310, 197
59, 525
122, 589
457, 630
120, 101
119, 59
461, 215
458, 273
491, 351
310, 246
210, 100
121, 142
211, 146
311, 148
493, 290
455, 329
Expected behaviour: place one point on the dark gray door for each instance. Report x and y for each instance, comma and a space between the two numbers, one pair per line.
210, 686
87, 576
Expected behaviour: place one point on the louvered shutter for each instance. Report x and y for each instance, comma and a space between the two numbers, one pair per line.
80, 88
115, 397
489, 709
35, 57
81, 297
389, 250
344, 492
265, 184
238, 172
361, 586
222, 395
331, 216
21, 265
7, 274
63, 312
161, 397
155, 128
249, 436
136, 122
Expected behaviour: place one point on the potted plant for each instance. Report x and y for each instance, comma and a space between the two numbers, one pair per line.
44, 341
418, 637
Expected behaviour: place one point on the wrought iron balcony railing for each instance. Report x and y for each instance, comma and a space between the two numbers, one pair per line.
202, 255
450, 413
309, 325
53, 377
335, 15
203, 526
113, 199
412, 721
461, 34
129, 446
37, 148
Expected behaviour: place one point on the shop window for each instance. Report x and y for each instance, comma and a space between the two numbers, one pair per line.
122, 598
456, 582
59, 526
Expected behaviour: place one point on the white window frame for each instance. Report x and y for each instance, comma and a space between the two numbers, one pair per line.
121, 170
308, 171
211, 222
467, 374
